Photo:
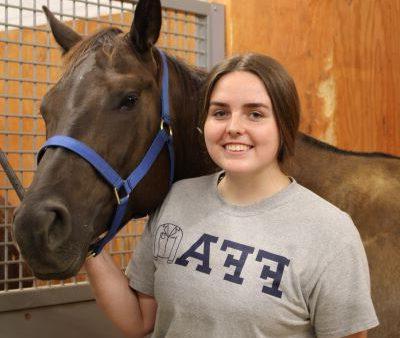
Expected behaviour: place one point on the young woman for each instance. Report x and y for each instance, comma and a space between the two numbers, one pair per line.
246, 252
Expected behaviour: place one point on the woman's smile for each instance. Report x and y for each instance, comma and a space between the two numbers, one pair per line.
237, 147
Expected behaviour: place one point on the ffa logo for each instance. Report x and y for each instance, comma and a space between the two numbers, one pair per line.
167, 240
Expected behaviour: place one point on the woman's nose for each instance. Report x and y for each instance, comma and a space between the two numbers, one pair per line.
235, 125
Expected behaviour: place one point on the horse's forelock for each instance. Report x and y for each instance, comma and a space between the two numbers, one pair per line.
107, 39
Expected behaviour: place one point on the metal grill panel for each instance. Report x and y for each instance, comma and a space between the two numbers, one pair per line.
30, 64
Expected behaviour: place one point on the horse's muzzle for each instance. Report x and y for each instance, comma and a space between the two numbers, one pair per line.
43, 232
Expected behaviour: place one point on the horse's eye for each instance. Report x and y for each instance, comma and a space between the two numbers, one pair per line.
128, 102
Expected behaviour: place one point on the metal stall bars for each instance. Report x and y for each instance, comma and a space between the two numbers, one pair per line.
29, 65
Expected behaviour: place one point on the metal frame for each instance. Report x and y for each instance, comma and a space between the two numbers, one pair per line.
210, 48
32, 298
214, 24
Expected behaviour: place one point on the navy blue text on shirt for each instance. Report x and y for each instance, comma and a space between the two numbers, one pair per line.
200, 251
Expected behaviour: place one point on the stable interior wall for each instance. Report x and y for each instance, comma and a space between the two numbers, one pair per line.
344, 56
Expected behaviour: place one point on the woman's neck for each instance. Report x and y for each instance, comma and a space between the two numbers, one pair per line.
246, 189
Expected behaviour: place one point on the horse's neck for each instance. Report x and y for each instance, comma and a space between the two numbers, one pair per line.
191, 158
314, 165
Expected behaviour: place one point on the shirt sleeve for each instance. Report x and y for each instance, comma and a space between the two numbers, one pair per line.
141, 268
340, 302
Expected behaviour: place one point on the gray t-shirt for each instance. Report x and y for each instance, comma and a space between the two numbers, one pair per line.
292, 265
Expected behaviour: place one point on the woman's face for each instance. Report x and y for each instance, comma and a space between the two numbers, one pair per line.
240, 131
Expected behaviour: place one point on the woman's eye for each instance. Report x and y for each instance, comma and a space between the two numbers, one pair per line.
255, 115
219, 113
128, 102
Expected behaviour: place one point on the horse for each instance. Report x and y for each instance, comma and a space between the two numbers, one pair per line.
109, 98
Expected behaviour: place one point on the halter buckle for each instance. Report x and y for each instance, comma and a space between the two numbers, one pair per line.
124, 198
165, 126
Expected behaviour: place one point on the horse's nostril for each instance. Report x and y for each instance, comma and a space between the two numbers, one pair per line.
58, 226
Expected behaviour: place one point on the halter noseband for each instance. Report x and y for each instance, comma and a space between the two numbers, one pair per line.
123, 188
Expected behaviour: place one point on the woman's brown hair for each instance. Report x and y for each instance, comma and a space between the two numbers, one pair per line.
280, 88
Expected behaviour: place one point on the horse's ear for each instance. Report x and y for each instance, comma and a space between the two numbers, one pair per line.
65, 36
146, 25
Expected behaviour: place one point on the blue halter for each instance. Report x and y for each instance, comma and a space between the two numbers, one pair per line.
123, 188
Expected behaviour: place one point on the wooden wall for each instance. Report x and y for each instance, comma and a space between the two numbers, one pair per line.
344, 56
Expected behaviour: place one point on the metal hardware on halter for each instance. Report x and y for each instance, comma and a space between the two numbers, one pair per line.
162, 139
123, 198
165, 126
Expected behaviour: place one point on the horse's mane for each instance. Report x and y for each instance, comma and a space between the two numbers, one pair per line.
187, 72
326, 146
191, 80
187, 101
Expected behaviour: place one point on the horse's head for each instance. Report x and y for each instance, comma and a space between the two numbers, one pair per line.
108, 98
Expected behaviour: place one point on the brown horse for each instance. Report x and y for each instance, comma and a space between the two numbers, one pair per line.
109, 98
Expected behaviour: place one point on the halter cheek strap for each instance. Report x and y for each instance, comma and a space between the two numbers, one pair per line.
123, 188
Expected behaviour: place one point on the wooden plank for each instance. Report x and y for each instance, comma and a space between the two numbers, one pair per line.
344, 56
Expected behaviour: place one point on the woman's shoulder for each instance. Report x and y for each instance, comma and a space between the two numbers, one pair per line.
194, 184
311, 199
186, 195
188, 190
327, 218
